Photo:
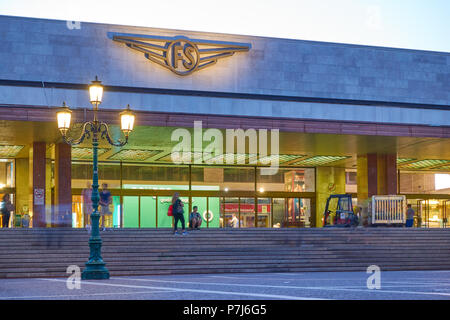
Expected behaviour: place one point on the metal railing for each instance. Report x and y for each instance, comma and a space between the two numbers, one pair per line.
388, 209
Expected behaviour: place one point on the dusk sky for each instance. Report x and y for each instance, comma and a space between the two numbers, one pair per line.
412, 24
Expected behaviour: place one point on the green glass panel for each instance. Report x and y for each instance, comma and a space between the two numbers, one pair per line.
200, 202
214, 210
148, 212
116, 213
131, 212
164, 221
213, 207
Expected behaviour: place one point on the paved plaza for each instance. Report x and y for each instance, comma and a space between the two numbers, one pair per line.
394, 285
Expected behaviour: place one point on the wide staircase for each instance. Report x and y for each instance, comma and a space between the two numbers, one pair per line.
48, 252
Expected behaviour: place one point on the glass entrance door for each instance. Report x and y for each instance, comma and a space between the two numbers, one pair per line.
264, 216
298, 212
208, 207
430, 213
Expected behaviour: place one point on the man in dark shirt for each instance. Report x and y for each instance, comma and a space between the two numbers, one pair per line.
409, 217
105, 201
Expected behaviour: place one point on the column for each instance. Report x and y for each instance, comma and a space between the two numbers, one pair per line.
38, 179
63, 185
376, 175
22, 183
330, 180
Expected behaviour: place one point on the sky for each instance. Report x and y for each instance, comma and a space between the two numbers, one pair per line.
411, 24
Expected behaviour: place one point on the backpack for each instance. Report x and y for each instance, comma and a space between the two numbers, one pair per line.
178, 207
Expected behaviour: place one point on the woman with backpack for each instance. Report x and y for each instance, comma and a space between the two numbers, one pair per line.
178, 213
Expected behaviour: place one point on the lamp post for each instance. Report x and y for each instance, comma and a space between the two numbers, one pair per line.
95, 267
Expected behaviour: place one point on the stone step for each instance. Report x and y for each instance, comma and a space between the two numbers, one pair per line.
158, 251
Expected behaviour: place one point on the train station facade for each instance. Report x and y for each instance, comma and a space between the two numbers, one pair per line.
294, 121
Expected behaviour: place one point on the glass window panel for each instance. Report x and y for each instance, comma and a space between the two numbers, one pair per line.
212, 204
305, 212
293, 180
430, 213
214, 212
223, 178
424, 182
148, 212
6, 173
278, 211
201, 204
155, 177
240, 179
264, 216
247, 212
298, 212
229, 211
164, 221
130, 211
78, 219
108, 173
116, 213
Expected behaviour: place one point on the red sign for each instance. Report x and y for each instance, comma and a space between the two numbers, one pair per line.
246, 208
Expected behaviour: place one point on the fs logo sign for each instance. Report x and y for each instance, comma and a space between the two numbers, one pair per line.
179, 54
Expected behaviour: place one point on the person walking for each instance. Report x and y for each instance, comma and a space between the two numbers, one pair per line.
178, 213
105, 201
409, 217
7, 207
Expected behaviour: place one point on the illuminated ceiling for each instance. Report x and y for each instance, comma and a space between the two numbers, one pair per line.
154, 145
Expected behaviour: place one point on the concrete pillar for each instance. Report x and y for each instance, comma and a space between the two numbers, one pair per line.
329, 180
376, 175
63, 184
22, 183
48, 192
38, 182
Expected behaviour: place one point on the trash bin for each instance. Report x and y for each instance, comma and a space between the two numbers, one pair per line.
17, 221
25, 221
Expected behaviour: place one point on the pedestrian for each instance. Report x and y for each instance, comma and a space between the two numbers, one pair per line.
87, 205
7, 207
105, 201
409, 217
195, 220
234, 222
178, 213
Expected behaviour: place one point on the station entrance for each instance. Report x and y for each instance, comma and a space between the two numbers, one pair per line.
148, 209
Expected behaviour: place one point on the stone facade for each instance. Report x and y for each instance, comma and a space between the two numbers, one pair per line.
49, 51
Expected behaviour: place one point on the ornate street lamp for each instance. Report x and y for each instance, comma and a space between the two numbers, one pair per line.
95, 267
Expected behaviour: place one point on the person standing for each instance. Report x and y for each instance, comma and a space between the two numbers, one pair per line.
87, 204
234, 222
7, 207
105, 201
178, 213
409, 217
